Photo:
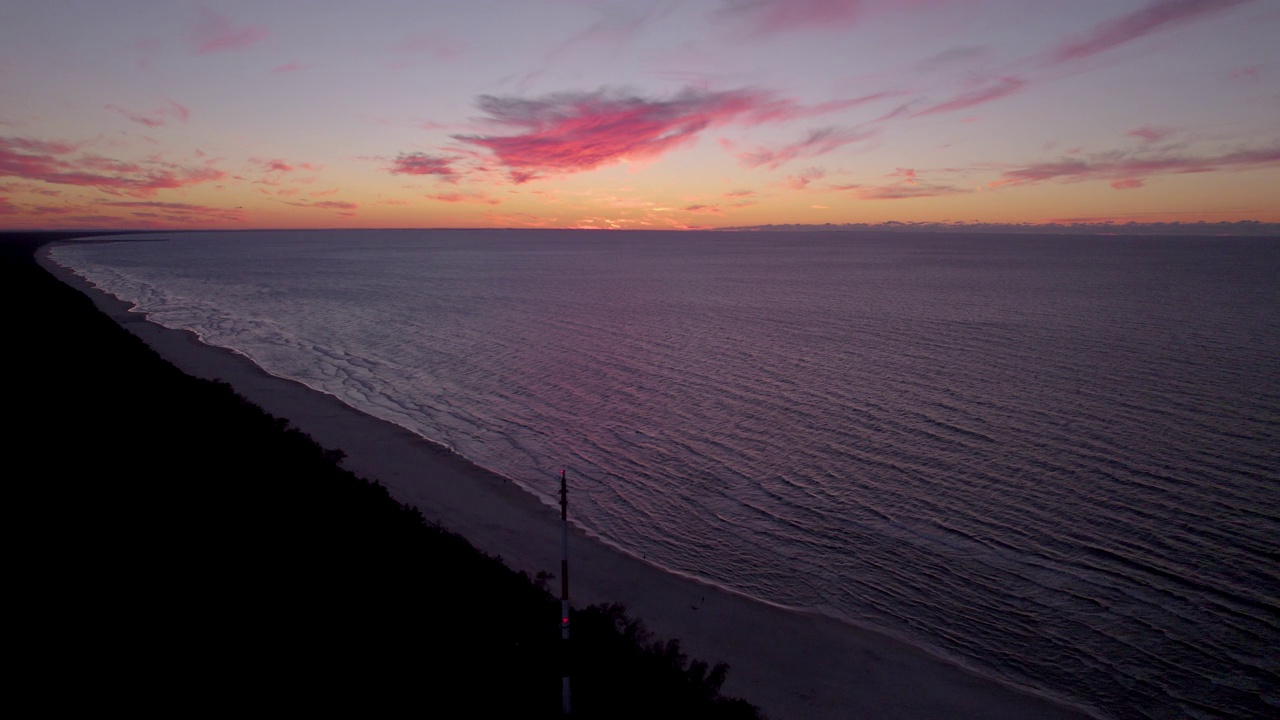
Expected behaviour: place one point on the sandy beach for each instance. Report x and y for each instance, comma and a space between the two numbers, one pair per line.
792, 664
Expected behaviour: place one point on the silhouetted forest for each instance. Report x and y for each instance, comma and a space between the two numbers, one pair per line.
175, 548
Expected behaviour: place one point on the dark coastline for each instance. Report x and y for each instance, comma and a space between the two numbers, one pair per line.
183, 548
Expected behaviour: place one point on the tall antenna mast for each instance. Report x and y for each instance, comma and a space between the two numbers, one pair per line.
564, 595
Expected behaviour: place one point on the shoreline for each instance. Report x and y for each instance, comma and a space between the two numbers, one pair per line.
791, 663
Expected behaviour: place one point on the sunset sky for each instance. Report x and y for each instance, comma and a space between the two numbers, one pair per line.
636, 114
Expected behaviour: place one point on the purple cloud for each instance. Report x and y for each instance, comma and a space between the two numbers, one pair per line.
1151, 133
49, 163
817, 142
423, 164
1122, 167
214, 33
458, 197
1154, 16
1001, 88
578, 131
1128, 183
905, 190
157, 117
771, 17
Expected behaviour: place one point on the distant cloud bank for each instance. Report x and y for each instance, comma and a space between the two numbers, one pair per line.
1249, 228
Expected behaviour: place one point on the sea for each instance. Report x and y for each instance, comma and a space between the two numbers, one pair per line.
1053, 459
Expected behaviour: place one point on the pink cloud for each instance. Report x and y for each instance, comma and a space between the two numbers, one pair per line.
7, 208
1150, 133
157, 117
580, 131
771, 17
904, 191
276, 165
1139, 23
1127, 184
617, 25
103, 164
174, 211
436, 44
739, 193
575, 132
704, 210
908, 175
423, 164
953, 56
325, 205
784, 110
145, 50
28, 188
1001, 88
214, 33
179, 111
817, 142
801, 180
1121, 167
458, 197
288, 68
13, 144
49, 163
1250, 72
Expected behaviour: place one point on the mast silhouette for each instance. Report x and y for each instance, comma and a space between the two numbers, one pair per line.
564, 596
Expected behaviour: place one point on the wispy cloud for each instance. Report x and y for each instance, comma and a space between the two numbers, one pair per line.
906, 191
993, 90
1150, 133
346, 209
817, 142
461, 197
951, 57
288, 68
1152, 17
335, 205
418, 163
574, 132
1128, 183
273, 165
213, 33
156, 117
1131, 167
571, 132
432, 43
1249, 72
53, 163
616, 25
801, 180
771, 17
173, 211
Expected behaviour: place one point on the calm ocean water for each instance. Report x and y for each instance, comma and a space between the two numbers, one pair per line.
1053, 459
